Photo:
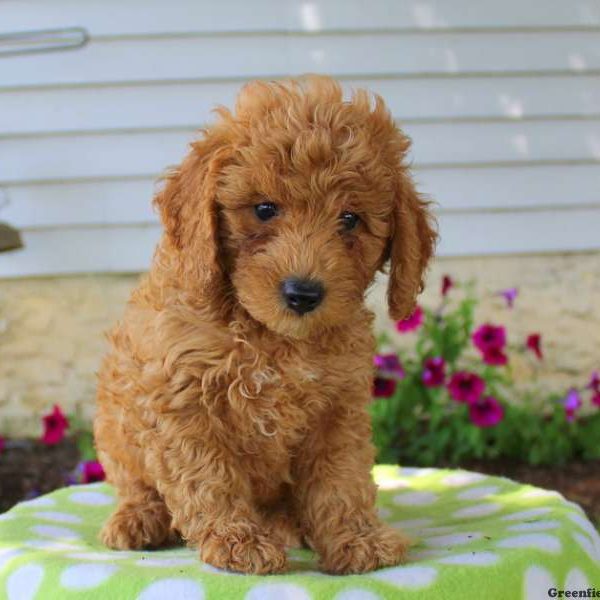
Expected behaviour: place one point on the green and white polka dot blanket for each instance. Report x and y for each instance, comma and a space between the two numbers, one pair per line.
476, 537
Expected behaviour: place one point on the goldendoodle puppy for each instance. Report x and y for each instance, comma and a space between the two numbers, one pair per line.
232, 407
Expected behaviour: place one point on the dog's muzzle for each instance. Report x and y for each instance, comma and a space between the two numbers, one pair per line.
302, 295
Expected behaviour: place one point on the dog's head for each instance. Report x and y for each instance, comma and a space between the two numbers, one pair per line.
292, 203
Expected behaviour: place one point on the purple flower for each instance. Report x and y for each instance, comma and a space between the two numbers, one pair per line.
510, 295
55, 425
389, 364
486, 412
495, 357
383, 388
572, 403
434, 372
534, 343
92, 471
411, 323
447, 285
594, 383
489, 337
466, 387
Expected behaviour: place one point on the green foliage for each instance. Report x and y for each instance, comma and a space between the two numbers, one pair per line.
425, 426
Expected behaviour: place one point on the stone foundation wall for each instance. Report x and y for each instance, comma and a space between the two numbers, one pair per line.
51, 330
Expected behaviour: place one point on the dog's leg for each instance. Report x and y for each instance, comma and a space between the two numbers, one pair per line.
210, 499
141, 520
337, 498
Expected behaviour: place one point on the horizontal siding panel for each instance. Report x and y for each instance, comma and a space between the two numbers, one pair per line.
129, 249
185, 105
148, 153
243, 56
110, 202
143, 17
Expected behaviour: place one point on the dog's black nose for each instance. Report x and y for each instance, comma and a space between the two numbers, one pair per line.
302, 295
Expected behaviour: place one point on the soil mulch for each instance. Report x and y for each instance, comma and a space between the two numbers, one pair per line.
28, 469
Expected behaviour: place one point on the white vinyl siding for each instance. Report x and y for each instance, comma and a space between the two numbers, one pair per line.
502, 100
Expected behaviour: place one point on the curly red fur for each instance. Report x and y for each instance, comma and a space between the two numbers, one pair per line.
222, 415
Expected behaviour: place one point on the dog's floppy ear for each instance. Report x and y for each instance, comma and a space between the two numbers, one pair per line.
412, 244
188, 210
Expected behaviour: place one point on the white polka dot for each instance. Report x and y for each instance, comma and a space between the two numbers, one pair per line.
51, 546
357, 594
166, 562
478, 510
585, 524
391, 484
41, 501
454, 539
418, 497
481, 559
540, 541
7, 516
410, 576
91, 498
210, 569
535, 526
416, 471
540, 493
588, 546
412, 523
59, 533
24, 583
478, 493
277, 591
527, 514
7, 554
576, 580
100, 556
537, 583
85, 577
384, 513
461, 478
182, 589
58, 517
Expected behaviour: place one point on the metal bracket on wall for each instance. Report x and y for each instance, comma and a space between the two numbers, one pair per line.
43, 40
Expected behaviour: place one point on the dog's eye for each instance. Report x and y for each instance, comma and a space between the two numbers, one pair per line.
349, 220
265, 211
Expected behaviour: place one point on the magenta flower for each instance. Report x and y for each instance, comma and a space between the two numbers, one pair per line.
594, 383
572, 403
383, 388
486, 412
596, 399
389, 364
2, 444
411, 323
489, 337
55, 425
495, 357
534, 343
447, 285
510, 296
466, 387
434, 372
91, 471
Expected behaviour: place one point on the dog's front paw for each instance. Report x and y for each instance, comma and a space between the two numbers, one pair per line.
243, 550
351, 552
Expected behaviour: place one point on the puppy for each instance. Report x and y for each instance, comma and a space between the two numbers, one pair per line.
232, 406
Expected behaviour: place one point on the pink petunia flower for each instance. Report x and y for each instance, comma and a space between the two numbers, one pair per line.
383, 388
411, 323
486, 412
55, 425
495, 357
594, 383
534, 343
510, 296
572, 403
389, 364
489, 337
466, 387
92, 471
447, 285
434, 372
2, 444
596, 399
